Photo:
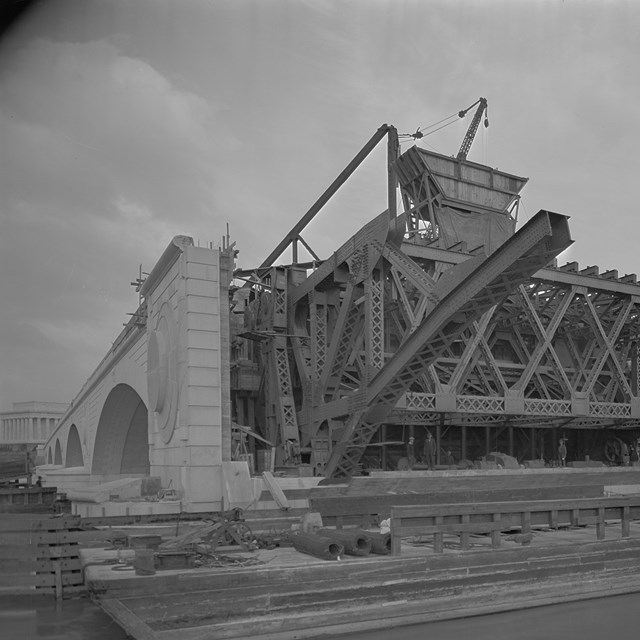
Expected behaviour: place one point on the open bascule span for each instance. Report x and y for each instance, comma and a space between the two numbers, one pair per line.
315, 383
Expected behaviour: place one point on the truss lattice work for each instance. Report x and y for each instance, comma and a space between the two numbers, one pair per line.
408, 325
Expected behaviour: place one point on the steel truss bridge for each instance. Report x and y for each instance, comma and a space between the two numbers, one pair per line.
439, 318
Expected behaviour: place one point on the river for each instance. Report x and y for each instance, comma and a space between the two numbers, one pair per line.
616, 617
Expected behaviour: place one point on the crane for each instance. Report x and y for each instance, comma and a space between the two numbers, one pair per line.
473, 127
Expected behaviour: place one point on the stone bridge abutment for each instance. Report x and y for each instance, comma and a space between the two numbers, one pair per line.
157, 405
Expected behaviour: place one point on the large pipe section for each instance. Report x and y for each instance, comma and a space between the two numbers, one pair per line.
354, 541
380, 542
318, 546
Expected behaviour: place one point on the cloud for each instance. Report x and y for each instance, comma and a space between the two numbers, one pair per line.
104, 160
32, 361
123, 124
113, 123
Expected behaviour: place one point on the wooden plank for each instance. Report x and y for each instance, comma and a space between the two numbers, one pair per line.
31, 491
62, 537
69, 590
17, 580
510, 507
464, 534
50, 579
600, 523
30, 522
56, 551
59, 566
57, 523
434, 482
526, 522
495, 531
438, 541
625, 522
153, 518
247, 598
19, 522
17, 564
456, 528
132, 624
58, 580
396, 543
430, 519
65, 564
12, 550
575, 517
291, 494
15, 538
17, 509
275, 490
381, 504
373, 617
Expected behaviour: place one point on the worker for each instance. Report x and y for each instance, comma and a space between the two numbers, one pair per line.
562, 452
624, 449
411, 452
430, 452
449, 459
292, 452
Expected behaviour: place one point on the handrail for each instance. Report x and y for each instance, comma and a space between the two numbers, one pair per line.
493, 517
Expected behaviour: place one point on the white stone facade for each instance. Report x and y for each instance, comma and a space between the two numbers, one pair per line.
157, 405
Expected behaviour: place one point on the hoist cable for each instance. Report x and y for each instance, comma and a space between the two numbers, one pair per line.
453, 115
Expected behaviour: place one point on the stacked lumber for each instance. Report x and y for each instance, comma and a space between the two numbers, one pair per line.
40, 554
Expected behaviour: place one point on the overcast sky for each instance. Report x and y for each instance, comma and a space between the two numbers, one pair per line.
125, 123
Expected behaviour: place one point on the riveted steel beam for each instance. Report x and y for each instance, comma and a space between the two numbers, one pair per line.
464, 297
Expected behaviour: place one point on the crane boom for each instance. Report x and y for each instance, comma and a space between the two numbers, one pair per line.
473, 127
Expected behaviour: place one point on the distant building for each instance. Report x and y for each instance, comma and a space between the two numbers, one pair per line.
30, 422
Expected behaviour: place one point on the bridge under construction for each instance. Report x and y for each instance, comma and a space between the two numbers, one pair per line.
440, 319
438, 337
437, 321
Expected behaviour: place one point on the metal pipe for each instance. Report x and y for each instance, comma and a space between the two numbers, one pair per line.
354, 541
380, 542
318, 546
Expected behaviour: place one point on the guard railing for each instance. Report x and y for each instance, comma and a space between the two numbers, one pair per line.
493, 518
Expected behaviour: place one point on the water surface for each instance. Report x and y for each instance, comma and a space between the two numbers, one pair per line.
616, 617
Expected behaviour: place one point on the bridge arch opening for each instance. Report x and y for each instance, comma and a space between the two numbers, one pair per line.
122, 441
57, 457
74, 449
49, 457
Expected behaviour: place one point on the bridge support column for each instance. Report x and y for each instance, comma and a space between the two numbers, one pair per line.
189, 414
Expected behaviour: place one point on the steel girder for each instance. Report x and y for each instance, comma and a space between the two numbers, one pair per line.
464, 295
564, 355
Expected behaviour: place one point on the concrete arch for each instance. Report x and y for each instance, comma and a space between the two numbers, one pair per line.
49, 456
57, 458
122, 441
74, 457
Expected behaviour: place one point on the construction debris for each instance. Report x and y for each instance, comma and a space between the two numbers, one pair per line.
229, 530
